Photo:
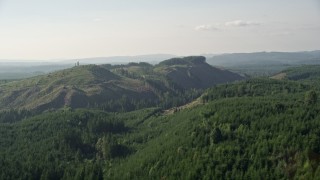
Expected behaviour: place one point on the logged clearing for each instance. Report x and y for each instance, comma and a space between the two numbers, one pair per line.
279, 76
186, 106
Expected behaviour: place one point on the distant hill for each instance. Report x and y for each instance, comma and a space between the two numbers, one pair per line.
22, 70
115, 87
264, 63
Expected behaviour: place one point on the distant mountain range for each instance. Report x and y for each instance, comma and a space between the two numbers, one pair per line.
262, 58
264, 63
152, 58
155, 58
254, 64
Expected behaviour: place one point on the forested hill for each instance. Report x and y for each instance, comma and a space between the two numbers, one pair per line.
253, 129
302, 73
115, 88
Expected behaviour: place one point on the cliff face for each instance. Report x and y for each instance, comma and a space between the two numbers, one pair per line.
194, 72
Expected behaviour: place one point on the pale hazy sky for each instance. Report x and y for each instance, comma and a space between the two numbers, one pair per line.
50, 29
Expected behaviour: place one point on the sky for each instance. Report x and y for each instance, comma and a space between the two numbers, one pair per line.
64, 29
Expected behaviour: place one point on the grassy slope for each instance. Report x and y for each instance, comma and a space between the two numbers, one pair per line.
66, 87
100, 86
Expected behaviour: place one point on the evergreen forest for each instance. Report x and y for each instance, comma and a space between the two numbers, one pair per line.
236, 128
